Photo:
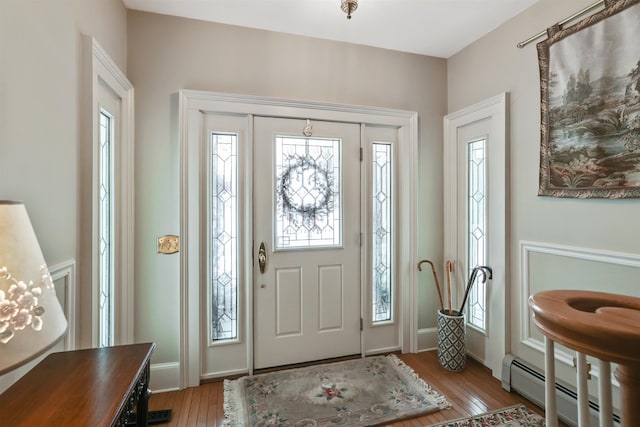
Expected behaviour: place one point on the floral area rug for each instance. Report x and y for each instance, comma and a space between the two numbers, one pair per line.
360, 392
513, 416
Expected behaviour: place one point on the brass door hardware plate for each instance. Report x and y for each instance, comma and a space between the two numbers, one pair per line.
169, 244
262, 257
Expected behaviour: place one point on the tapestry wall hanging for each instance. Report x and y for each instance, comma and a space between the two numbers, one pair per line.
590, 105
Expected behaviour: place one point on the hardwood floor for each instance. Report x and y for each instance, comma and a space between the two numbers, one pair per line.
470, 392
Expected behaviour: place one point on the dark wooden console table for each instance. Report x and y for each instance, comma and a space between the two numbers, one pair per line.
93, 387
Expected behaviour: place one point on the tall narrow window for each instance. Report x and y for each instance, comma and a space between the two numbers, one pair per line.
381, 237
477, 229
309, 192
223, 217
106, 299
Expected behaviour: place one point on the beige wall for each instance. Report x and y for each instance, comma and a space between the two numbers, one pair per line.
167, 54
493, 65
40, 109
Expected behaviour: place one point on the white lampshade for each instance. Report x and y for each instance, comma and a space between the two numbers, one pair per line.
31, 319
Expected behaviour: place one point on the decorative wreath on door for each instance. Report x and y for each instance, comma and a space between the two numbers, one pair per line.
306, 189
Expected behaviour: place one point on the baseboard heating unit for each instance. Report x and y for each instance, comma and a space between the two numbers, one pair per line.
529, 382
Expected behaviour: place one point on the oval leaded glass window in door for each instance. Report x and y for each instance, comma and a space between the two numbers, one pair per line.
308, 208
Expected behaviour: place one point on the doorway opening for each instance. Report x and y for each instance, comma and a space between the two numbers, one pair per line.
329, 179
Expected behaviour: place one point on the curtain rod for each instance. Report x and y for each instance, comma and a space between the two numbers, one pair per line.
561, 23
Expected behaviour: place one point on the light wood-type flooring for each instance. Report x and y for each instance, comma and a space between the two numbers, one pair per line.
473, 391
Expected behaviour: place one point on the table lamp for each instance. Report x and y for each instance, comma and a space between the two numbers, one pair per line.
31, 318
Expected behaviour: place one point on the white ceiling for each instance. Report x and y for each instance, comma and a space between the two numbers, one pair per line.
438, 28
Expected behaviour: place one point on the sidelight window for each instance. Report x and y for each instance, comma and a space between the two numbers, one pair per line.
477, 229
381, 237
105, 238
223, 217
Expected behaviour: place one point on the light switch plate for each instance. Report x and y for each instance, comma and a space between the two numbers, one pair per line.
169, 244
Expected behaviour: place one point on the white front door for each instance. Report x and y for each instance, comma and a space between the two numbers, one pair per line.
306, 219
353, 207
475, 224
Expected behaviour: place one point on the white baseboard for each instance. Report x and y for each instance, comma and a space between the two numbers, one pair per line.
427, 339
165, 377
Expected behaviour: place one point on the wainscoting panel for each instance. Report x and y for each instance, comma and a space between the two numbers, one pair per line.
64, 278
545, 266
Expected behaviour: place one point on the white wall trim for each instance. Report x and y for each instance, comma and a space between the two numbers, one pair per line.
104, 71
590, 254
192, 103
427, 339
494, 109
408, 244
67, 272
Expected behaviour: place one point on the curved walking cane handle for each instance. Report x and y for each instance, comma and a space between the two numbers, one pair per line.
422, 262
435, 277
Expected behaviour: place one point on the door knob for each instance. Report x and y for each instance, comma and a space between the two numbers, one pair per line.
262, 257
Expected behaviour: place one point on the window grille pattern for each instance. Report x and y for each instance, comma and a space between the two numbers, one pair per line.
106, 303
308, 193
381, 236
477, 229
223, 217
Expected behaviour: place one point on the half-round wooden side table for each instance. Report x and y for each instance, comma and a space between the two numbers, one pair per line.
603, 325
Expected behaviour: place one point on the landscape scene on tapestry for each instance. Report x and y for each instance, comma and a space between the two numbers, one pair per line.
594, 106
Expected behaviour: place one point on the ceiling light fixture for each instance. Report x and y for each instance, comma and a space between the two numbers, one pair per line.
349, 6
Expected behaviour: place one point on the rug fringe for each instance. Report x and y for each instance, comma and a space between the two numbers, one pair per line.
230, 403
519, 414
441, 401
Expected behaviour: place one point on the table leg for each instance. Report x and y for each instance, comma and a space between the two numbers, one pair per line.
142, 410
142, 406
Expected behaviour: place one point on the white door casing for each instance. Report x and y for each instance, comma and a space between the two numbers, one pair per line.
485, 120
194, 108
381, 187
108, 88
307, 300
